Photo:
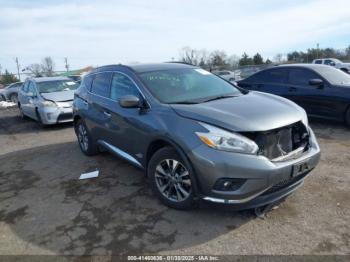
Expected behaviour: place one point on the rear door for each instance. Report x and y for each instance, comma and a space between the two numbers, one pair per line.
314, 99
98, 115
32, 97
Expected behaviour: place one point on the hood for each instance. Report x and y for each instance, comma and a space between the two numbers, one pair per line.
59, 96
254, 111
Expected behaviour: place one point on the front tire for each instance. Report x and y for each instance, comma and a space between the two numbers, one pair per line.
21, 114
171, 179
86, 142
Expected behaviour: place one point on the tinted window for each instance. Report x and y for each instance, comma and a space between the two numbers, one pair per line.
186, 85
88, 81
25, 86
122, 86
100, 84
271, 76
318, 62
329, 62
31, 88
299, 76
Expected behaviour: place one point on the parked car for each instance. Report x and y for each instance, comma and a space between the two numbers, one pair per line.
47, 100
323, 91
196, 135
10, 92
76, 78
333, 62
225, 74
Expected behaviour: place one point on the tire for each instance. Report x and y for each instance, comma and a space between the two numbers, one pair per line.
86, 143
168, 171
21, 114
14, 98
42, 125
347, 117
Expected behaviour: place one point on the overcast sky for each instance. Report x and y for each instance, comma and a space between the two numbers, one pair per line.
106, 32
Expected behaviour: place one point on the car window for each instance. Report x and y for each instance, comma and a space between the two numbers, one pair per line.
318, 62
186, 85
301, 76
100, 84
333, 75
277, 76
31, 88
17, 85
122, 86
88, 81
329, 62
25, 87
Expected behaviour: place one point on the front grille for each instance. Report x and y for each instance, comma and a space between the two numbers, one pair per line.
65, 117
284, 183
281, 141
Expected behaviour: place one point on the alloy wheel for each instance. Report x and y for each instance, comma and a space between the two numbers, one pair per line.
173, 180
83, 137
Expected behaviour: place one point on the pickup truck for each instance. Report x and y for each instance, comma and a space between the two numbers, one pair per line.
333, 62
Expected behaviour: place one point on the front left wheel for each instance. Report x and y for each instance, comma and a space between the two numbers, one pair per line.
171, 179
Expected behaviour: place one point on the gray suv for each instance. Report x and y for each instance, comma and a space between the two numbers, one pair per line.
196, 135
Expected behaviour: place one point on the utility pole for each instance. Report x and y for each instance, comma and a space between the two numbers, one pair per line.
318, 46
0, 70
19, 76
66, 65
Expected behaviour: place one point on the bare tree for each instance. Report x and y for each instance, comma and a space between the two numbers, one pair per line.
35, 69
47, 66
278, 58
190, 56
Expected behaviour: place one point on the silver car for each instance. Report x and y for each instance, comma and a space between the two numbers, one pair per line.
47, 99
10, 92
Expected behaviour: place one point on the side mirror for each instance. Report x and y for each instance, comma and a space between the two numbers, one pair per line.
129, 101
316, 82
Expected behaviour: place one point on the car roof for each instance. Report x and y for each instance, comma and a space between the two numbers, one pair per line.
47, 79
142, 68
310, 66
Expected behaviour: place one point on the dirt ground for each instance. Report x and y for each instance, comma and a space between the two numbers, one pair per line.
45, 209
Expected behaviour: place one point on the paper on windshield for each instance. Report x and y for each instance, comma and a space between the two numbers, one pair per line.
70, 83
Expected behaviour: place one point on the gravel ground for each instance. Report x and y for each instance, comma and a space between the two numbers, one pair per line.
45, 209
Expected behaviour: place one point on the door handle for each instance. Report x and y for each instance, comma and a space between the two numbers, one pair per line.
292, 89
85, 103
107, 114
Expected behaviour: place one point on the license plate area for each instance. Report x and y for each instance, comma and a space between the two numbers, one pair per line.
300, 168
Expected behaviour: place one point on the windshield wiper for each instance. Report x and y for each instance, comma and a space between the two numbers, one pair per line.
218, 97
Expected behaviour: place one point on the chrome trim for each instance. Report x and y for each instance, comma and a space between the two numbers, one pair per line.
119, 152
244, 200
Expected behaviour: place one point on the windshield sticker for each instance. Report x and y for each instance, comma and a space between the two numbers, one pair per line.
202, 71
70, 83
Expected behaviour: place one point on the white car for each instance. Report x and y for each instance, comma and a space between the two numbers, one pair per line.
333, 62
225, 74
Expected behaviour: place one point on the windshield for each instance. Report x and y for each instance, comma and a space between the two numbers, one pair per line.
187, 85
334, 76
56, 86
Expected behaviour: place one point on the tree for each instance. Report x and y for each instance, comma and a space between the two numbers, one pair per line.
268, 61
278, 58
245, 60
47, 66
257, 59
8, 78
35, 70
218, 59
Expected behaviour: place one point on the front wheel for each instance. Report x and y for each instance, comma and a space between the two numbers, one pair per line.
171, 179
86, 143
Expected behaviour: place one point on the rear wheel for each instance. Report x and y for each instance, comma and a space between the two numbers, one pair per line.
86, 143
171, 179
347, 117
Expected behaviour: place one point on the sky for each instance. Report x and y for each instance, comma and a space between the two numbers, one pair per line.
108, 32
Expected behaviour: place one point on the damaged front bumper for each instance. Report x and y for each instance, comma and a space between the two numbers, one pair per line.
265, 181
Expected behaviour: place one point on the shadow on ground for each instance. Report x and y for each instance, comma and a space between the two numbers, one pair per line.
46, 205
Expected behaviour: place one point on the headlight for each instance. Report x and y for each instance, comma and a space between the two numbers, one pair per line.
227, 141
48, 103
